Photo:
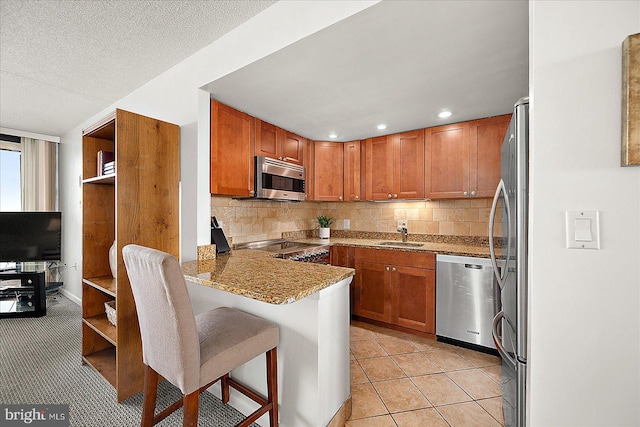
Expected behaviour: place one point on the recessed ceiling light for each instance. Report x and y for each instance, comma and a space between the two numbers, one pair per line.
444, 114
333, 135
381, 126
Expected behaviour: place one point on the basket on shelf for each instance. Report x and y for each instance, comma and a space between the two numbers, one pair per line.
110, 310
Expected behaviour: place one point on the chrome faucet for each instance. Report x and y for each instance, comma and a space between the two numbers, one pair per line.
404, 232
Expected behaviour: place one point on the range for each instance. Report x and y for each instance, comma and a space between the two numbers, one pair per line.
294, 251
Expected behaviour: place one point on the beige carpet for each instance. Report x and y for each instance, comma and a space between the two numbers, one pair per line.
41, 363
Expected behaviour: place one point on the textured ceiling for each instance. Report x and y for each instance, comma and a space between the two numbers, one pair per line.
63, 61
398, 63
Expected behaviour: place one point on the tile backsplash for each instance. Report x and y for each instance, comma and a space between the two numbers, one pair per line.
250, 220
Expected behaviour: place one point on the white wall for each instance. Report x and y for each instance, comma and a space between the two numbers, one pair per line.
584, 360
174, 97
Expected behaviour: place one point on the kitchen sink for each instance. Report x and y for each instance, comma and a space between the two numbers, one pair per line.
402, 244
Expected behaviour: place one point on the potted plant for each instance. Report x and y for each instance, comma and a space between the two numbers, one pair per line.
324, 222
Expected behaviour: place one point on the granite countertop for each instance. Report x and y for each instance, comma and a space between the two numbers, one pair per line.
443, 248
257, 274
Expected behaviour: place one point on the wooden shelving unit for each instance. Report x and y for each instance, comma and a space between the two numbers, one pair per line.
138, 204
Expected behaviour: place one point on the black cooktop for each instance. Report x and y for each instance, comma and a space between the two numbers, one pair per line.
279, 246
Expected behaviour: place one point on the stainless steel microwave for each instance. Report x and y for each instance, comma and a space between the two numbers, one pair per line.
278, 180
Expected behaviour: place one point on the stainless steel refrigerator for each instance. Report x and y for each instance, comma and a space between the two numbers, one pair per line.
511, 206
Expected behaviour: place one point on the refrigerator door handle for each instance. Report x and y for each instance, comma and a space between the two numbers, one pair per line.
499, 276
498, 339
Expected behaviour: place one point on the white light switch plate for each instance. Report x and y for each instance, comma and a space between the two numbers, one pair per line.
582, 229
346, 224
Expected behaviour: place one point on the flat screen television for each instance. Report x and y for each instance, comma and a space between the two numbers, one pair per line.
30, 236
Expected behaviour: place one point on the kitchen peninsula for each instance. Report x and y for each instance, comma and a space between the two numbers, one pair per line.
310, 303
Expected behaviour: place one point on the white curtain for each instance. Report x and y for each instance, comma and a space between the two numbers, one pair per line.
39, 179
39, 175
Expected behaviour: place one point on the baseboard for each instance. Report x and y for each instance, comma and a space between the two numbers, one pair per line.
343, 414
394, 327
71, 296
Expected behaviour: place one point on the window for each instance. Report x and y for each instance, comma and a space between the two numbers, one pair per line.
10, 188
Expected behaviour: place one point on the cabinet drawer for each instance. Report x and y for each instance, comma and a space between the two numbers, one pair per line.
396, 257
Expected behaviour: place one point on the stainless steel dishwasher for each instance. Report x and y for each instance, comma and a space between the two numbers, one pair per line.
466, 300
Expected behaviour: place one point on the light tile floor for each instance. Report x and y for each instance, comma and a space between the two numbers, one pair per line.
401, 380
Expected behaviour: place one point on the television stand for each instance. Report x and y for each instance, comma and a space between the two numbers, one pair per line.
22, 294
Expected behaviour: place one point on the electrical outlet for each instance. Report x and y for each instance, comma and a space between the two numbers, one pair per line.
402, 223
346, 224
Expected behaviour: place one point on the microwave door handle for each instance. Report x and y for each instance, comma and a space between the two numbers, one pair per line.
500, 276
497, 339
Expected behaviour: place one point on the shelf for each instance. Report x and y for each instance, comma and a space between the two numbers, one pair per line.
106, 284
151, 149
102, 326
104, 361
102, 179
104, 129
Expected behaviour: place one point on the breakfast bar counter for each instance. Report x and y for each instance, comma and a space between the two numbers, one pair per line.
256, 274
310, 304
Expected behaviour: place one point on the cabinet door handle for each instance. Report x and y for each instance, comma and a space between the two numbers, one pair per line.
473, 193
387, 268
466, 193
389, 196
252, 192
340, 198
395, 196
357, 197
393, 269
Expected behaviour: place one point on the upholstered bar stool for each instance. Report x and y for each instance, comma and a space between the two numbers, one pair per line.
193, 352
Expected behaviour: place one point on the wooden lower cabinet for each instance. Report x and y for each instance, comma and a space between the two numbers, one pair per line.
342, 256
373, 291
395, 287
414, 302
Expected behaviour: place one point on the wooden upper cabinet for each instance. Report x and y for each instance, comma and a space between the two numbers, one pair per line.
486, 137
463, 159
447, 161
293, 148
269, 139
232, 151
352, 179
310, 162
278, 143
328, 181
378, 168
394, 166
408, 165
